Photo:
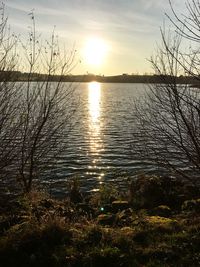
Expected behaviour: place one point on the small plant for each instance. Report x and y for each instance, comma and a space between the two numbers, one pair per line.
106, 195
152, 191
74, 191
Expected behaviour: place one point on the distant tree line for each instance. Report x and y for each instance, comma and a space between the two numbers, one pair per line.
156, 78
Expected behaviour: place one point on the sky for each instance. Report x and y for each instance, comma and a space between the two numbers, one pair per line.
111, 37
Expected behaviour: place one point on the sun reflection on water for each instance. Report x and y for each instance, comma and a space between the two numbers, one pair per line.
94, 98
94, 107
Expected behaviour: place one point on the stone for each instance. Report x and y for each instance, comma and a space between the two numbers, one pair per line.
127, 231
106, 219
158, 220
162, 211
120, 205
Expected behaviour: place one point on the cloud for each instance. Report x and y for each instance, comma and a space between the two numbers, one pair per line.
129, 25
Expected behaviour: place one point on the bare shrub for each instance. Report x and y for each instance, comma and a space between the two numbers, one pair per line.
9, 104
168, 116
40, 109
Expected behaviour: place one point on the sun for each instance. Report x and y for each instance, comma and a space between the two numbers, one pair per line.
95, 51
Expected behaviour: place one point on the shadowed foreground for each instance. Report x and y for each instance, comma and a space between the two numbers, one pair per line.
156, 224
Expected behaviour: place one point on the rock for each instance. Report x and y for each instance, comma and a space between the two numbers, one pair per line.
161, 221
162, 211
120, 205
127, 231
106, 219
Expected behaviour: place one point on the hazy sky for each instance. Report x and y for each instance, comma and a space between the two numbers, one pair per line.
129, 29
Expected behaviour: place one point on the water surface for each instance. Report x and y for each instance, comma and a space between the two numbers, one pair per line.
99, 144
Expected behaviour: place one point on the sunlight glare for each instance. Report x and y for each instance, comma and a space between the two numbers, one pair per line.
94, 101
95, 51
94, 108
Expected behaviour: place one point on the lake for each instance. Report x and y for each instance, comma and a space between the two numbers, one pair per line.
99, 147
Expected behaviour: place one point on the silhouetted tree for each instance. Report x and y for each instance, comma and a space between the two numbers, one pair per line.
9, 97
36, 115
167, 118
47, 107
